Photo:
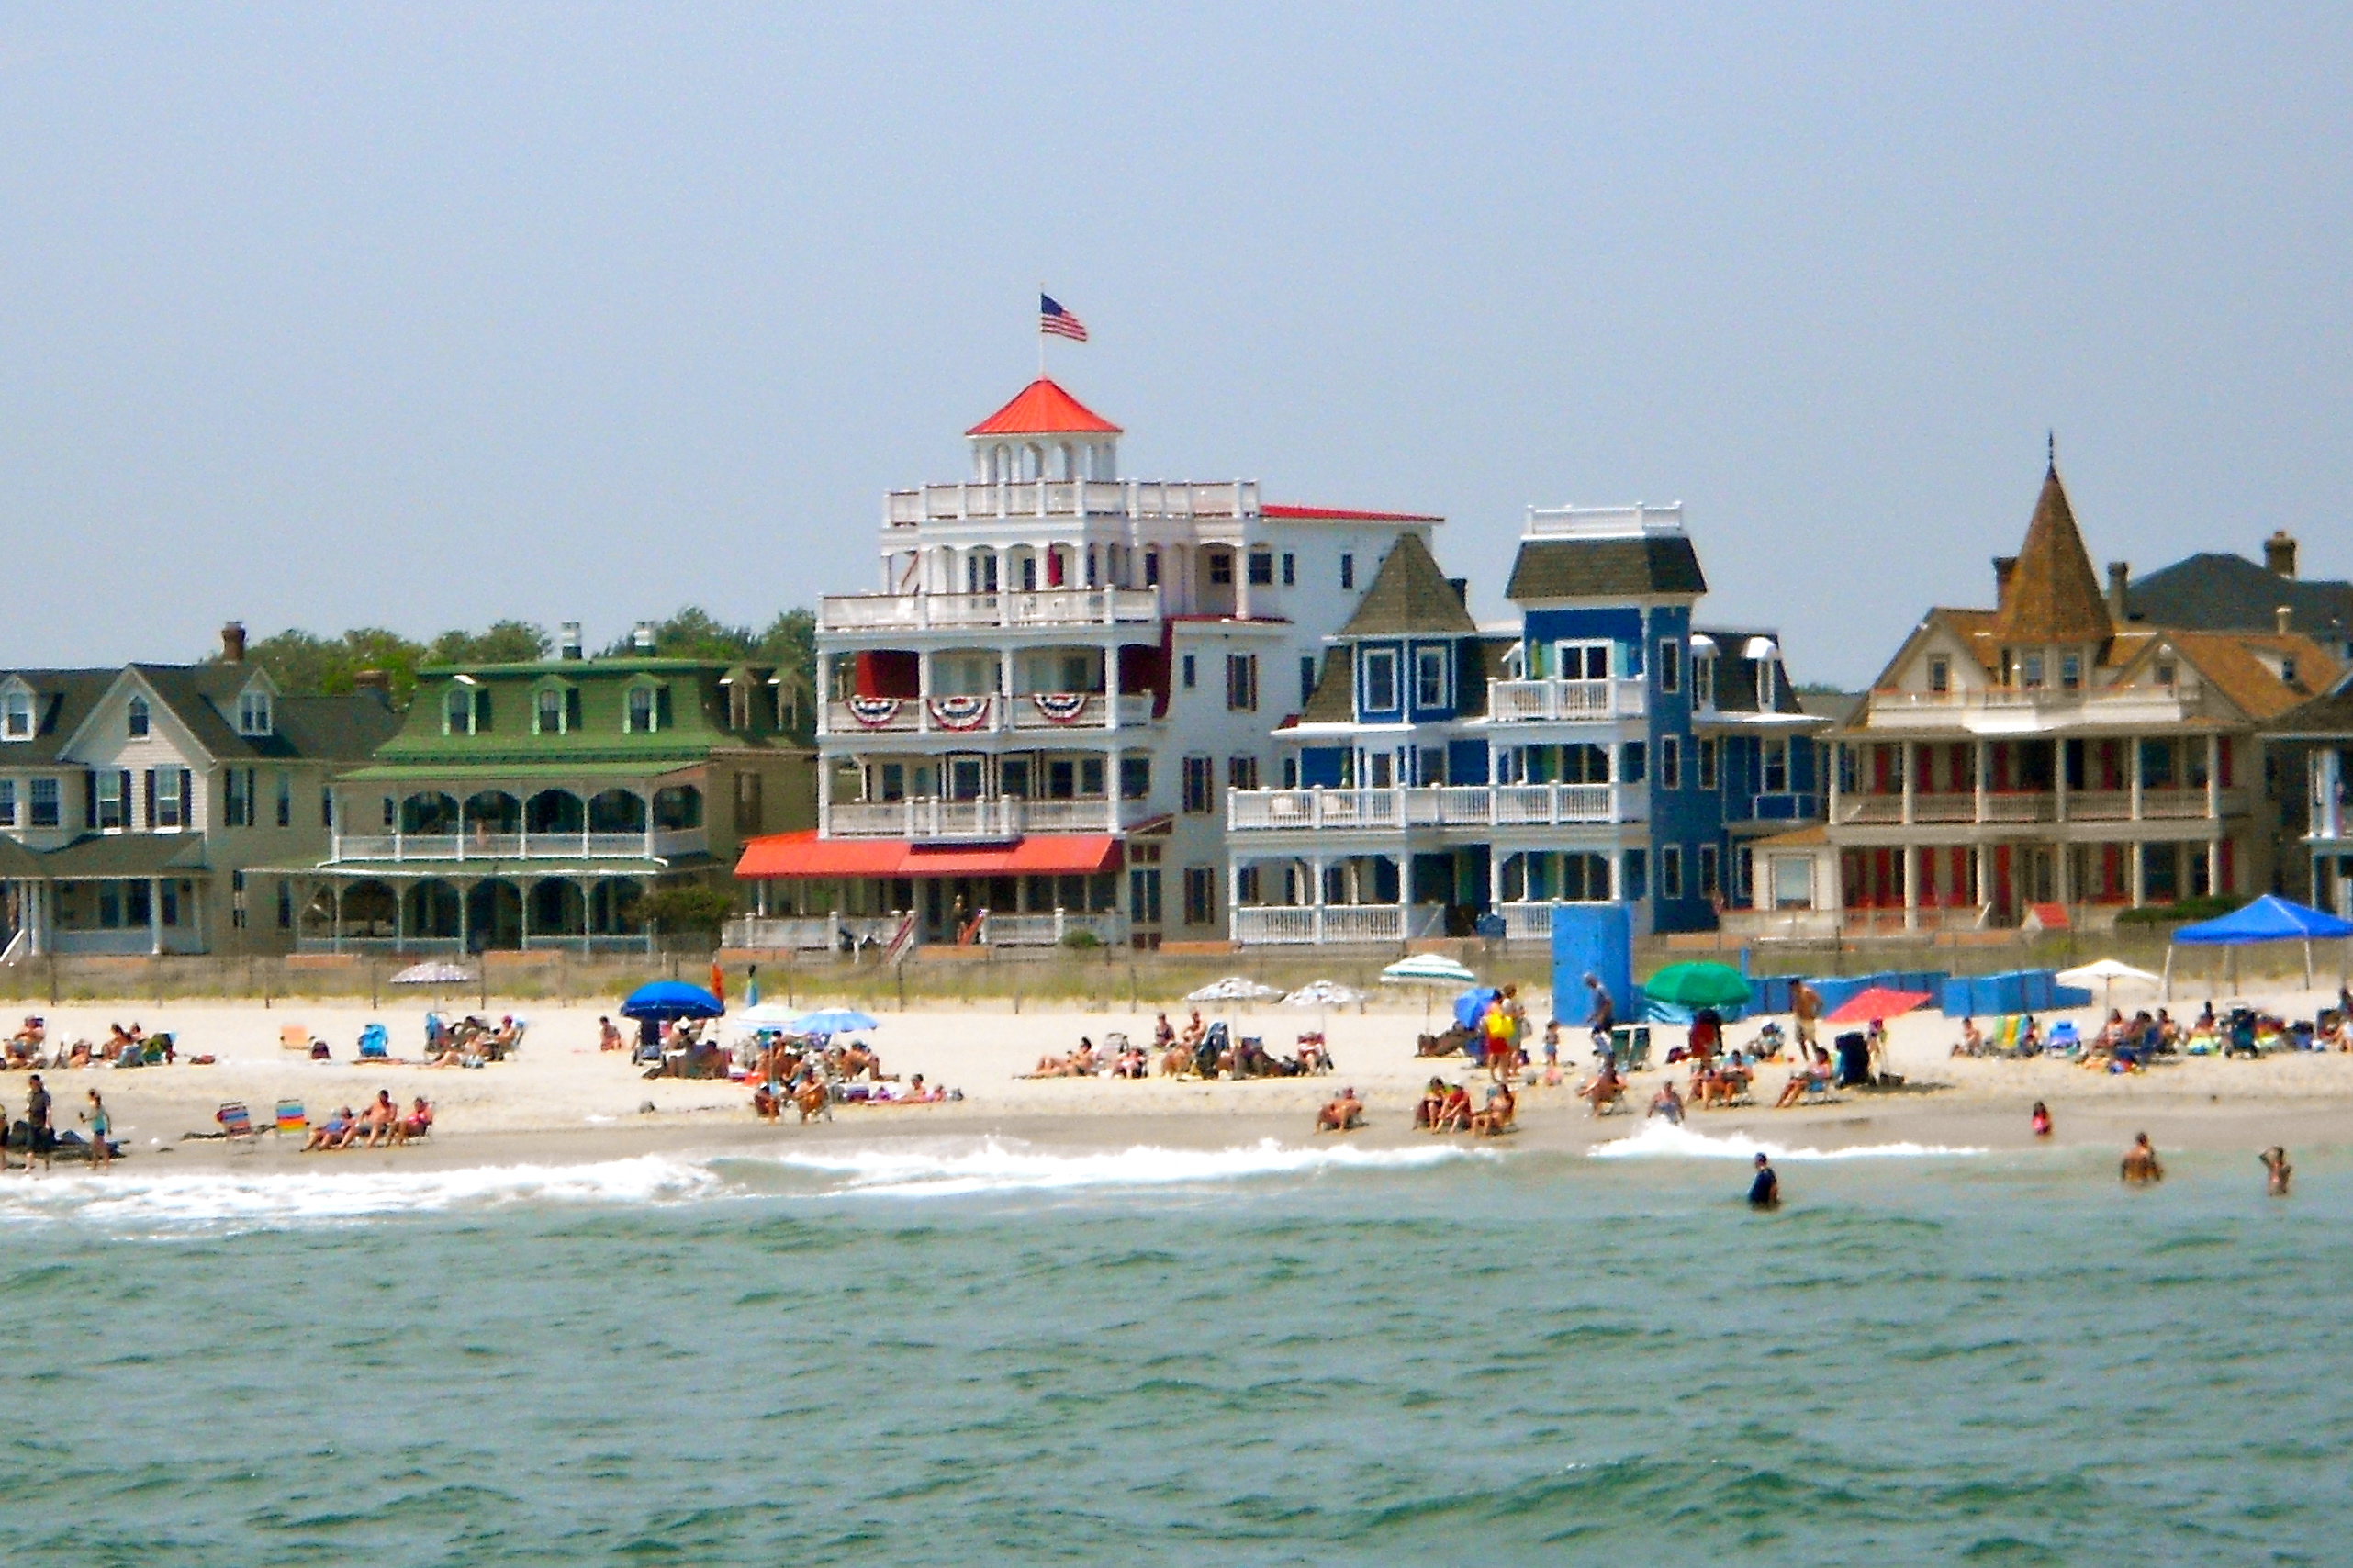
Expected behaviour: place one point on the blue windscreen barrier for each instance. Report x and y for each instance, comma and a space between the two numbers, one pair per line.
1598, 940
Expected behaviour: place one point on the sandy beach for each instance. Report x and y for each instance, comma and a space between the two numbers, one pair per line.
562, 1099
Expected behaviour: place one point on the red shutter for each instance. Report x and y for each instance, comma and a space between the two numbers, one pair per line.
2223, 747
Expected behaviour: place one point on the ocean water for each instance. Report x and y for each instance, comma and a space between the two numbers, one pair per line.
976, 1353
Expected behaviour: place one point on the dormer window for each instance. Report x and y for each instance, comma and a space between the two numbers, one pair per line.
2165, 672
16, 714
2071, 670
254, 712
641, 712
1768, 676
2031, 667
465, 709
2288, 669
135, 718
549, 716
1703, 681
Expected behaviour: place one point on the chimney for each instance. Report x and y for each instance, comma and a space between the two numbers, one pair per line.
641, 639
2279, 553
1461, 586
2003, 566
2283, 619
377, 683
232, 643
567, 640
2119, 574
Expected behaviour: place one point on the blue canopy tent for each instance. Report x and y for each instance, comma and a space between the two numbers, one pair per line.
2267, 919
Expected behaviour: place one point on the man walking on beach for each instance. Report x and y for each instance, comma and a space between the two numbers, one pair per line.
1602, 1016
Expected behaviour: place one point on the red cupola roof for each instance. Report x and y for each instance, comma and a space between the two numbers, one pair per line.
1044, 408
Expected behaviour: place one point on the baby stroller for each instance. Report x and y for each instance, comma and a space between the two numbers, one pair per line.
1212, 1049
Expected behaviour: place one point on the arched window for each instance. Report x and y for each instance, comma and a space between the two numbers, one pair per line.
548, 711
135, 716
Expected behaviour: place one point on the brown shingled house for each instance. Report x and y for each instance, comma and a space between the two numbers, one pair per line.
2047, 752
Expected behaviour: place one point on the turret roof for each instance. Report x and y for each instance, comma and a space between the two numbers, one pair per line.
2053, 595
1042, 408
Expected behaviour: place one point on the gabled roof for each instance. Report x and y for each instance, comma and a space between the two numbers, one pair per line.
1409, 596
1042, 408
204, 699
1334, 700
1604, 568
2329, 715
2053, 595
2216, 591
2228, 661
61, 700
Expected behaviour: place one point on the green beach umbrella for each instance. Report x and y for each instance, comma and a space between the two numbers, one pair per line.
1698, 985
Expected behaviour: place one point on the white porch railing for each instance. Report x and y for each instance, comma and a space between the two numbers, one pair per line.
978, 502
656, 843
950, 612
2005, 807
1320, 925
1557, 701
989, 714
1441, 806
994, 818
1108, 928
807, 932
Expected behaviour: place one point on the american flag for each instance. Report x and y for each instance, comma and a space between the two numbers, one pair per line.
1052, 318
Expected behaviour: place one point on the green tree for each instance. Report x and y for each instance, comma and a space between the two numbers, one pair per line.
505, 643
305, 664
686, 909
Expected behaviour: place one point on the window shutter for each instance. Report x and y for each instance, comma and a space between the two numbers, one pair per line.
126, 797
151, 800
187, 799
90, 799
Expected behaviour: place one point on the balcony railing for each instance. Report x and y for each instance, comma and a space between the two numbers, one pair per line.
1108, 928
2005, 710
1315, 924
1556, 701
1041, 607
2008, 807
1439, 806
1070, 497
995, 818
655, 843
984, 715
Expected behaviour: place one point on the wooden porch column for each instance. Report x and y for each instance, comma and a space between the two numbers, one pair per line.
155, 916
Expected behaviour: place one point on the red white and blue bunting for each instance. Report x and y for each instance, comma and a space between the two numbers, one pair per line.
1060, 707
959, 713
874, 712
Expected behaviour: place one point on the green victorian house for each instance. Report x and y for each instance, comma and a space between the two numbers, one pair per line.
535, 806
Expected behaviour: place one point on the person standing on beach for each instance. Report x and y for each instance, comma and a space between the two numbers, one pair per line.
102, 1152
1602, 1015
2277, 1170
1764, 1191
38, 1137
2139, 1166
1805, 1007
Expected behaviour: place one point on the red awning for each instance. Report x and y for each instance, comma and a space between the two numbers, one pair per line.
804, 854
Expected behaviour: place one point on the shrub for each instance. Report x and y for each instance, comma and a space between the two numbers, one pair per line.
2182, 910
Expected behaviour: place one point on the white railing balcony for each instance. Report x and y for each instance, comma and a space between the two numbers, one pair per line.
2011, 807
954, 611
982, 715
1604, 523
2001, 710
1315, 924
1076, 711
985, 502
1559, 701
1434, 806
644, 844
1108, 928
995, 818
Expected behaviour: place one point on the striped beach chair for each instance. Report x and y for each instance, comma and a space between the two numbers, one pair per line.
236, 1122
291, 1118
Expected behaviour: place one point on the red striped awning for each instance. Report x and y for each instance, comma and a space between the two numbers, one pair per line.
804, 854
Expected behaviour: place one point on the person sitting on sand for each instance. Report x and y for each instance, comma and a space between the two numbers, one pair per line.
1701, 1091
1342, 1115
2276, 1168
1808, 1073
919, 1094
1668, 1105
1433, 1101
2139, 1167
380, 1118
416, 1124
1496, 1118
2333, 1036
332, 1133
1453, 1112
609, 1035
1604, 1088
1196, 1031
764, 1102
1163, 1033
811, 1100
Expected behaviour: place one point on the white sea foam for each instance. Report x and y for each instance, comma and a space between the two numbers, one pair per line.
242, 1199
1664, 1140
994, 1167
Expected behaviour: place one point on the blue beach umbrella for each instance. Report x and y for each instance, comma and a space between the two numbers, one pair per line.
832, 1021
664, 999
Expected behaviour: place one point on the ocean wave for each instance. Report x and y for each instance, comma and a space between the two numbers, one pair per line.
994, 1167
1664, 1140
252, 1199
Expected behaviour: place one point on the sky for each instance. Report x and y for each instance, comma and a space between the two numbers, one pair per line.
422, 316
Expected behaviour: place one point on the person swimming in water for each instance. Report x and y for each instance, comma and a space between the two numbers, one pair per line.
2140, 1165
2041, 1120
2277, 1170
1764, 1191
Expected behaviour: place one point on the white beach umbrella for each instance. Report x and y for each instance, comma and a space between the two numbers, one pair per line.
1324, 993
1234, 988
436, 972
2107, 973
1427, 970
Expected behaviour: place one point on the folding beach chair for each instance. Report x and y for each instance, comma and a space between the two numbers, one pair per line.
291, 1119
236, 1123
376, 1044
294, 1037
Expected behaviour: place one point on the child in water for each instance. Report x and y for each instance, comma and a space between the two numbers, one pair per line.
2277, 1170
2041, 1120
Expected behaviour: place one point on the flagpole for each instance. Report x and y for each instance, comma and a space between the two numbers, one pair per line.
1041, 331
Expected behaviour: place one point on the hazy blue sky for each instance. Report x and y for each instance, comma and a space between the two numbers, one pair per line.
423, 315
